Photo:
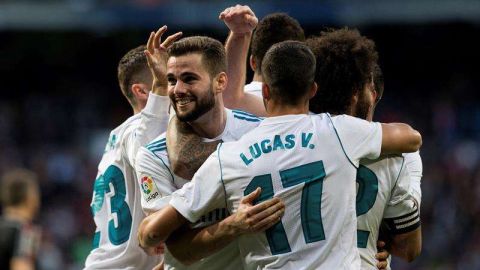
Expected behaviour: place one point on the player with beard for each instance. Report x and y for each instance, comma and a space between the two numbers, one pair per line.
347, 71
196, 77
310, 161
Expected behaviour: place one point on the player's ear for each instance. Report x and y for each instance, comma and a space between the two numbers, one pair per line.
265, 91
313, 90
221, 81
140, 92
253, 63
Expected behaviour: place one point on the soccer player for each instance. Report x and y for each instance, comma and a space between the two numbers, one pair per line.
20, 239
116, 196
189, 152
196, 73
273, 28
351, 83
310, 161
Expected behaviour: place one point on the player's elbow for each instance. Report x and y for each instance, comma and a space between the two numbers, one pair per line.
415, 141
147, 236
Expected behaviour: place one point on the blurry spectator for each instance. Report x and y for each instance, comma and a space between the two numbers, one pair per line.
19, 238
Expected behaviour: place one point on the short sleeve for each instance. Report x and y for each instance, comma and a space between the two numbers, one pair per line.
204, 193
401, 213
155, 180
359, 138
413, 163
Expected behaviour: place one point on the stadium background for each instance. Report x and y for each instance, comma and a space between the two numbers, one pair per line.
60, 98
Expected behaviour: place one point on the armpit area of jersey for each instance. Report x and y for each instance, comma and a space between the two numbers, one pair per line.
404, 224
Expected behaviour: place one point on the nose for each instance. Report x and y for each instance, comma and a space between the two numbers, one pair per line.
179, 88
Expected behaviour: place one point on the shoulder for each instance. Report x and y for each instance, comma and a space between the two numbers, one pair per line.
158, 144
155, 151
242, 116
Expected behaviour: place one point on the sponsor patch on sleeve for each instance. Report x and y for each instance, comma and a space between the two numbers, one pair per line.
149, 188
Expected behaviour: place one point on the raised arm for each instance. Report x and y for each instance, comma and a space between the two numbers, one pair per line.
400, 138
189, 246
241, 21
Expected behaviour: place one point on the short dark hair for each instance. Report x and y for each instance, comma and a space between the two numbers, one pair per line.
273, 28
131, 69
288, 68
212, 51
15, 185
345, 64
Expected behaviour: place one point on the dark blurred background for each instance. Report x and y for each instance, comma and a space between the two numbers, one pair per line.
60, 98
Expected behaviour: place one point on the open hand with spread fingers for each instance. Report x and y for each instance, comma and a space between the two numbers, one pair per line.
157, 57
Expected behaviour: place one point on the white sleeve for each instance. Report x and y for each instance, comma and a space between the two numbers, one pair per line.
155, 180
413, 163
359, 138
153, 122
401, 213
203, 194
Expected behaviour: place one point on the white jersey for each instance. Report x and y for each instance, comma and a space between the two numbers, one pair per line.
310, 162
158, 182
383, 193
116, 197
413, 163
254, 88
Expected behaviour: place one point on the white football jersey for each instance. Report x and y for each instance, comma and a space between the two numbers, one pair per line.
254, 88
310, 162
116, 206
158, 182
413, 163
383, 193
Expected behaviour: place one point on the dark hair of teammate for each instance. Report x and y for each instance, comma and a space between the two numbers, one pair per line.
273, 28
346, 62
288, 68
212, 51
132, 69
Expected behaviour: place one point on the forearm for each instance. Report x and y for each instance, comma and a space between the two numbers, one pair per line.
157, 227
236, 48
408, 245
189, 246
400, 138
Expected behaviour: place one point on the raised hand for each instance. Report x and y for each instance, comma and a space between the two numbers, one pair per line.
157, 57
239, 19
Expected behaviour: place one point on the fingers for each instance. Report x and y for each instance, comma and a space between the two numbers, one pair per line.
380, 244
252, 196
251, 19
150, 47
382, 255
269, 220
170, 40
158, 36
382, 265
269, 208
237, 10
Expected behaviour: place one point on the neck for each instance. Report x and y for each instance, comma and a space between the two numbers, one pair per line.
212, 123
20, 214
276, 109
257, 77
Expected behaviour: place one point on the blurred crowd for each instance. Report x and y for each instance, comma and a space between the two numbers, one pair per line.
57, 126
